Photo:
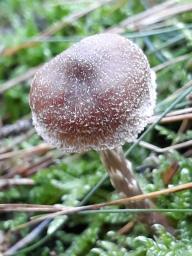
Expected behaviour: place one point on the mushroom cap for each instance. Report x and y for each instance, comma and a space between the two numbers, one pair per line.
97, 94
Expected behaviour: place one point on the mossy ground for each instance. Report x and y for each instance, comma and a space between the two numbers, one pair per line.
61, 179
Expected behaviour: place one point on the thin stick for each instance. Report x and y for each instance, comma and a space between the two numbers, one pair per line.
27, 239
17, 140
123, 201
18, 127
133, 21
184, 126
139, 210
148, 196
42, 148
165, 14
15, 182
130, 35
19, 79
176, 118
27, 171
151, 16
125, 229
171, 62
179, 112
163, 150
31, 208
152, 32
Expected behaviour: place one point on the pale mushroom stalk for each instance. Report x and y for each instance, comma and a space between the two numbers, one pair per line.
123, 180
121, 173
98, 94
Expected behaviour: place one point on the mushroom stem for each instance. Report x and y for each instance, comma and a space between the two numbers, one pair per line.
124, 181
120, 172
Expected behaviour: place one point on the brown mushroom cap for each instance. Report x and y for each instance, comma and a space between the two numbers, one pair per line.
97, 94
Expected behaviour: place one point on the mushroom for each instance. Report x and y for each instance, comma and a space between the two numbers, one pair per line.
98, 94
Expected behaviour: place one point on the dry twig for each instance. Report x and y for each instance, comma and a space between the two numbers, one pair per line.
134, 22
32, 168
16, 128
151, 16
163, 150
180, 112
171, 62
17, 140
19, 79
4, 183
40, 149
170, 172
176, 118
27, 239
126, 229
58, 210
